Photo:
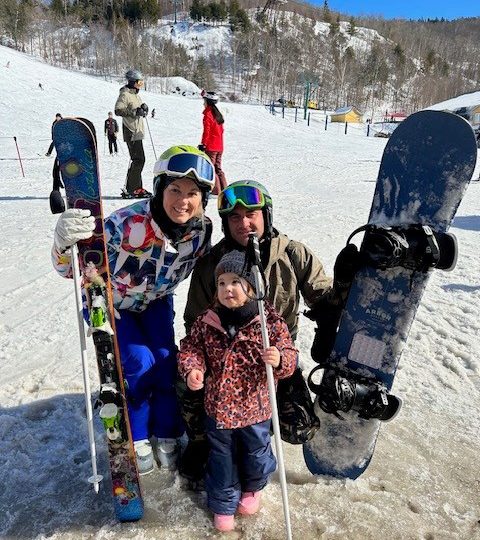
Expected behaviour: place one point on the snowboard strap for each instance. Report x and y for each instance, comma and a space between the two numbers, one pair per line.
414, 247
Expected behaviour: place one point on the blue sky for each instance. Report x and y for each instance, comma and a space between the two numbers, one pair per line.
409, 9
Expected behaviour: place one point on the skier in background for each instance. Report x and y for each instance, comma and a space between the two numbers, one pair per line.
132, 109
224, 351
152, 246
212, 137
58, 117
111, 131
291, 269
153, 113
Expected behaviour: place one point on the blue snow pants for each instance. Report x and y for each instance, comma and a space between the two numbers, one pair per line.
240, 460
149, 360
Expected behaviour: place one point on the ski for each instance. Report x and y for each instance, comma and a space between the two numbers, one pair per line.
76, 147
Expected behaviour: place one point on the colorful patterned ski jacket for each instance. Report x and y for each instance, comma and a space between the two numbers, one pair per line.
236, 390
144, 264
212, 136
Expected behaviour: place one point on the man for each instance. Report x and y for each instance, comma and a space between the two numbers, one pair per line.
111, 131
131, 108
290, 269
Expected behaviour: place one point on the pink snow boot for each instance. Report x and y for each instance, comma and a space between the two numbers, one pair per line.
249, 503
223, 523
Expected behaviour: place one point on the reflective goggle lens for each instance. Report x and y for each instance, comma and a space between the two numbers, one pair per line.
248, 196
185, 163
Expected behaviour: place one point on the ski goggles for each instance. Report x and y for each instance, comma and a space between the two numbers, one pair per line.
250, 197
186, 164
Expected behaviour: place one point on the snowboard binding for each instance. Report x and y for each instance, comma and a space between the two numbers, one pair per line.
337, 393
415, 247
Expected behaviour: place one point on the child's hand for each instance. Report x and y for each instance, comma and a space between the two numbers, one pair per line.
195, 379
271, 356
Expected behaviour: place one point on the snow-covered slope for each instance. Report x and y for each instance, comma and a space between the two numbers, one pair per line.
423, 480
465, 100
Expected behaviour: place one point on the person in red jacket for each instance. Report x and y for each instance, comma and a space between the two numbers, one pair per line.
224, 351
212, 138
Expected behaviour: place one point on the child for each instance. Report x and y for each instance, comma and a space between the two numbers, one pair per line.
224, 350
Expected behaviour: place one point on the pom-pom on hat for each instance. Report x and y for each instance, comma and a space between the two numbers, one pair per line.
234, 262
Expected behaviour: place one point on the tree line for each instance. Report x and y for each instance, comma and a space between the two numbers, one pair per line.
276, 48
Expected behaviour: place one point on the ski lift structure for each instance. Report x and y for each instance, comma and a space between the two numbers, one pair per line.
312, 98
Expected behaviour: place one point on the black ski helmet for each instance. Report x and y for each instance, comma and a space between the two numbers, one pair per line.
267, 208
133, 75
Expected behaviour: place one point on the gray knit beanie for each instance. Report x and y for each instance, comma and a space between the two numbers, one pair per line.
234, 261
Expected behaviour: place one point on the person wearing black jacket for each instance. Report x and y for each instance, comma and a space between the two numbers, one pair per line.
111, 131
58, 117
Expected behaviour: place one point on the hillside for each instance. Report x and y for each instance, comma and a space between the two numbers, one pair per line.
422, 482
253, 54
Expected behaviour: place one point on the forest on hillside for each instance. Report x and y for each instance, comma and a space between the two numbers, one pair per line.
276, 48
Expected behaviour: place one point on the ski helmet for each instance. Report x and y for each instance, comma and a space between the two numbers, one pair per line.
249, 194
210, 97
134, 75
180, 162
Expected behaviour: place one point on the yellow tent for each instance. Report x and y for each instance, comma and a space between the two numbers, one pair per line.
347, 114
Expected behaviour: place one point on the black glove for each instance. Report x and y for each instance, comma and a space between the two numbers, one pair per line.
346, 266
142, 110
201, 147
327, 317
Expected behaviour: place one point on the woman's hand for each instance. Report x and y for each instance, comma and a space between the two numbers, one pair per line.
271, 356
195, 379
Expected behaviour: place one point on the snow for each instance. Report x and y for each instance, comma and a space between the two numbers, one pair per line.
423, 480
466, 100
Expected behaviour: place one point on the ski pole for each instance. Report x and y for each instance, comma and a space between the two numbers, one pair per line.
96, 478
19, 158
57, 205
151, 139
254, 252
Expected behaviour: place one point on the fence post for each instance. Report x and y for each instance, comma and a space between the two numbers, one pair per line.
19, 158
326, 122
283, 111
296, 112
346, 127
308, 119
368, 130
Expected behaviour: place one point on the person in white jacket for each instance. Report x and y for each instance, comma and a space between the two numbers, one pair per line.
131, 108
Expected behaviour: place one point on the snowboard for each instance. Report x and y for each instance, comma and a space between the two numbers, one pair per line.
76, 147
425, 169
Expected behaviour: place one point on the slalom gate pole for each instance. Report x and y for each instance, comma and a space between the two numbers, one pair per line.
254, 252
19, 157
151, 139
96, 478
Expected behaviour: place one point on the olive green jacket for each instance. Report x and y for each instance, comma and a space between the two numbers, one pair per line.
292, 269
126, 106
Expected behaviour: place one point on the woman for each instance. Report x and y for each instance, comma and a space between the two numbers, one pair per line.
212, 138
152, 246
